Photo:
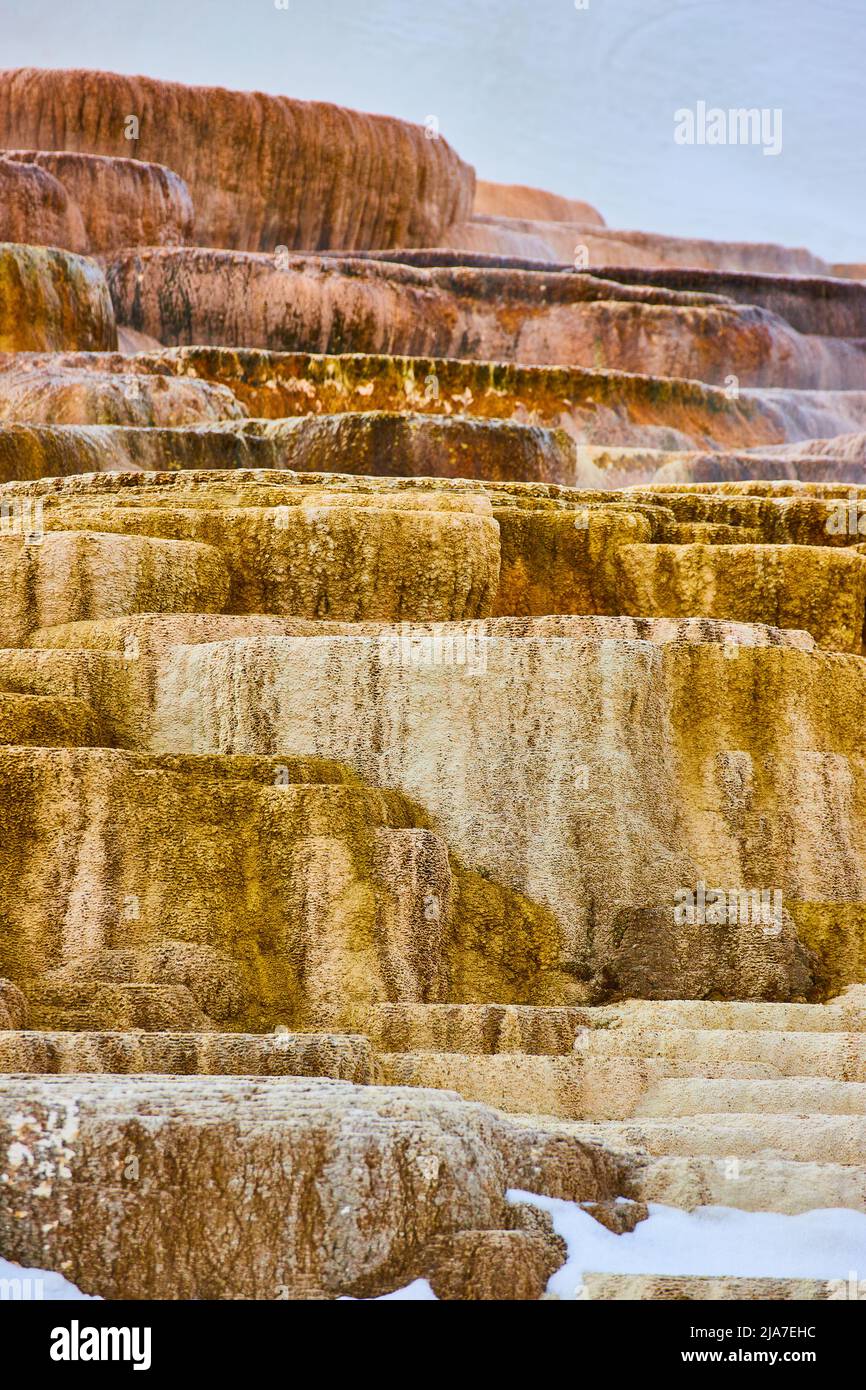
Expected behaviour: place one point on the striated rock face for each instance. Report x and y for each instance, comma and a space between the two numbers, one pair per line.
13, 1006
335, 546
263, 171
320, 898
53, 301
615, 901
570, 242
35, 207
315, 1189
810, 303
120, 202
609, 412
378, 443
48, 390
431, 689
330, 305
516, 200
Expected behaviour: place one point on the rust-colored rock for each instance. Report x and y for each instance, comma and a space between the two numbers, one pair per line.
35, 207
596, 407
121, 202
263, 171
105, 389
328, 304
516, 200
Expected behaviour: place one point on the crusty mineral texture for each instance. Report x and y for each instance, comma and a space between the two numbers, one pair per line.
120, 202
263, 171
36, 207
329, 304
13, 1006
44, 389
53, 301
376, 443
432, 673
307, 1188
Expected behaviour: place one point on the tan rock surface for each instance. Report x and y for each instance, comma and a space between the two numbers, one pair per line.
13, 1006
314, 1188
53, 301
614, 902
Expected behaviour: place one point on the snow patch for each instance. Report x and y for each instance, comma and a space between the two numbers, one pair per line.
36, 1285
827, 1243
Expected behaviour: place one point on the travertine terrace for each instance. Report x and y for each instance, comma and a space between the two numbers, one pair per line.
431, 685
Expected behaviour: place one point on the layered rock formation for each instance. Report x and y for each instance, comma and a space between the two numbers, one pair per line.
263, 171
431, 687
115, 201
585, 243
330, 305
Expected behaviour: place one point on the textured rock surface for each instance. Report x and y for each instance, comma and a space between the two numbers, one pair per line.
263, 171
35, 207
120, 202
437, 687
603, 409
322, 897
811, 304
586, 244
314, 1188
615, 901
318, 545
597, 407
13, 1006
326, 305
438, 708
379, 444
53, 301
47, 390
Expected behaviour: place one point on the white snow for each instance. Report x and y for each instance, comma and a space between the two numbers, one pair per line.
828, 1243
419, 1291
36, 1285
